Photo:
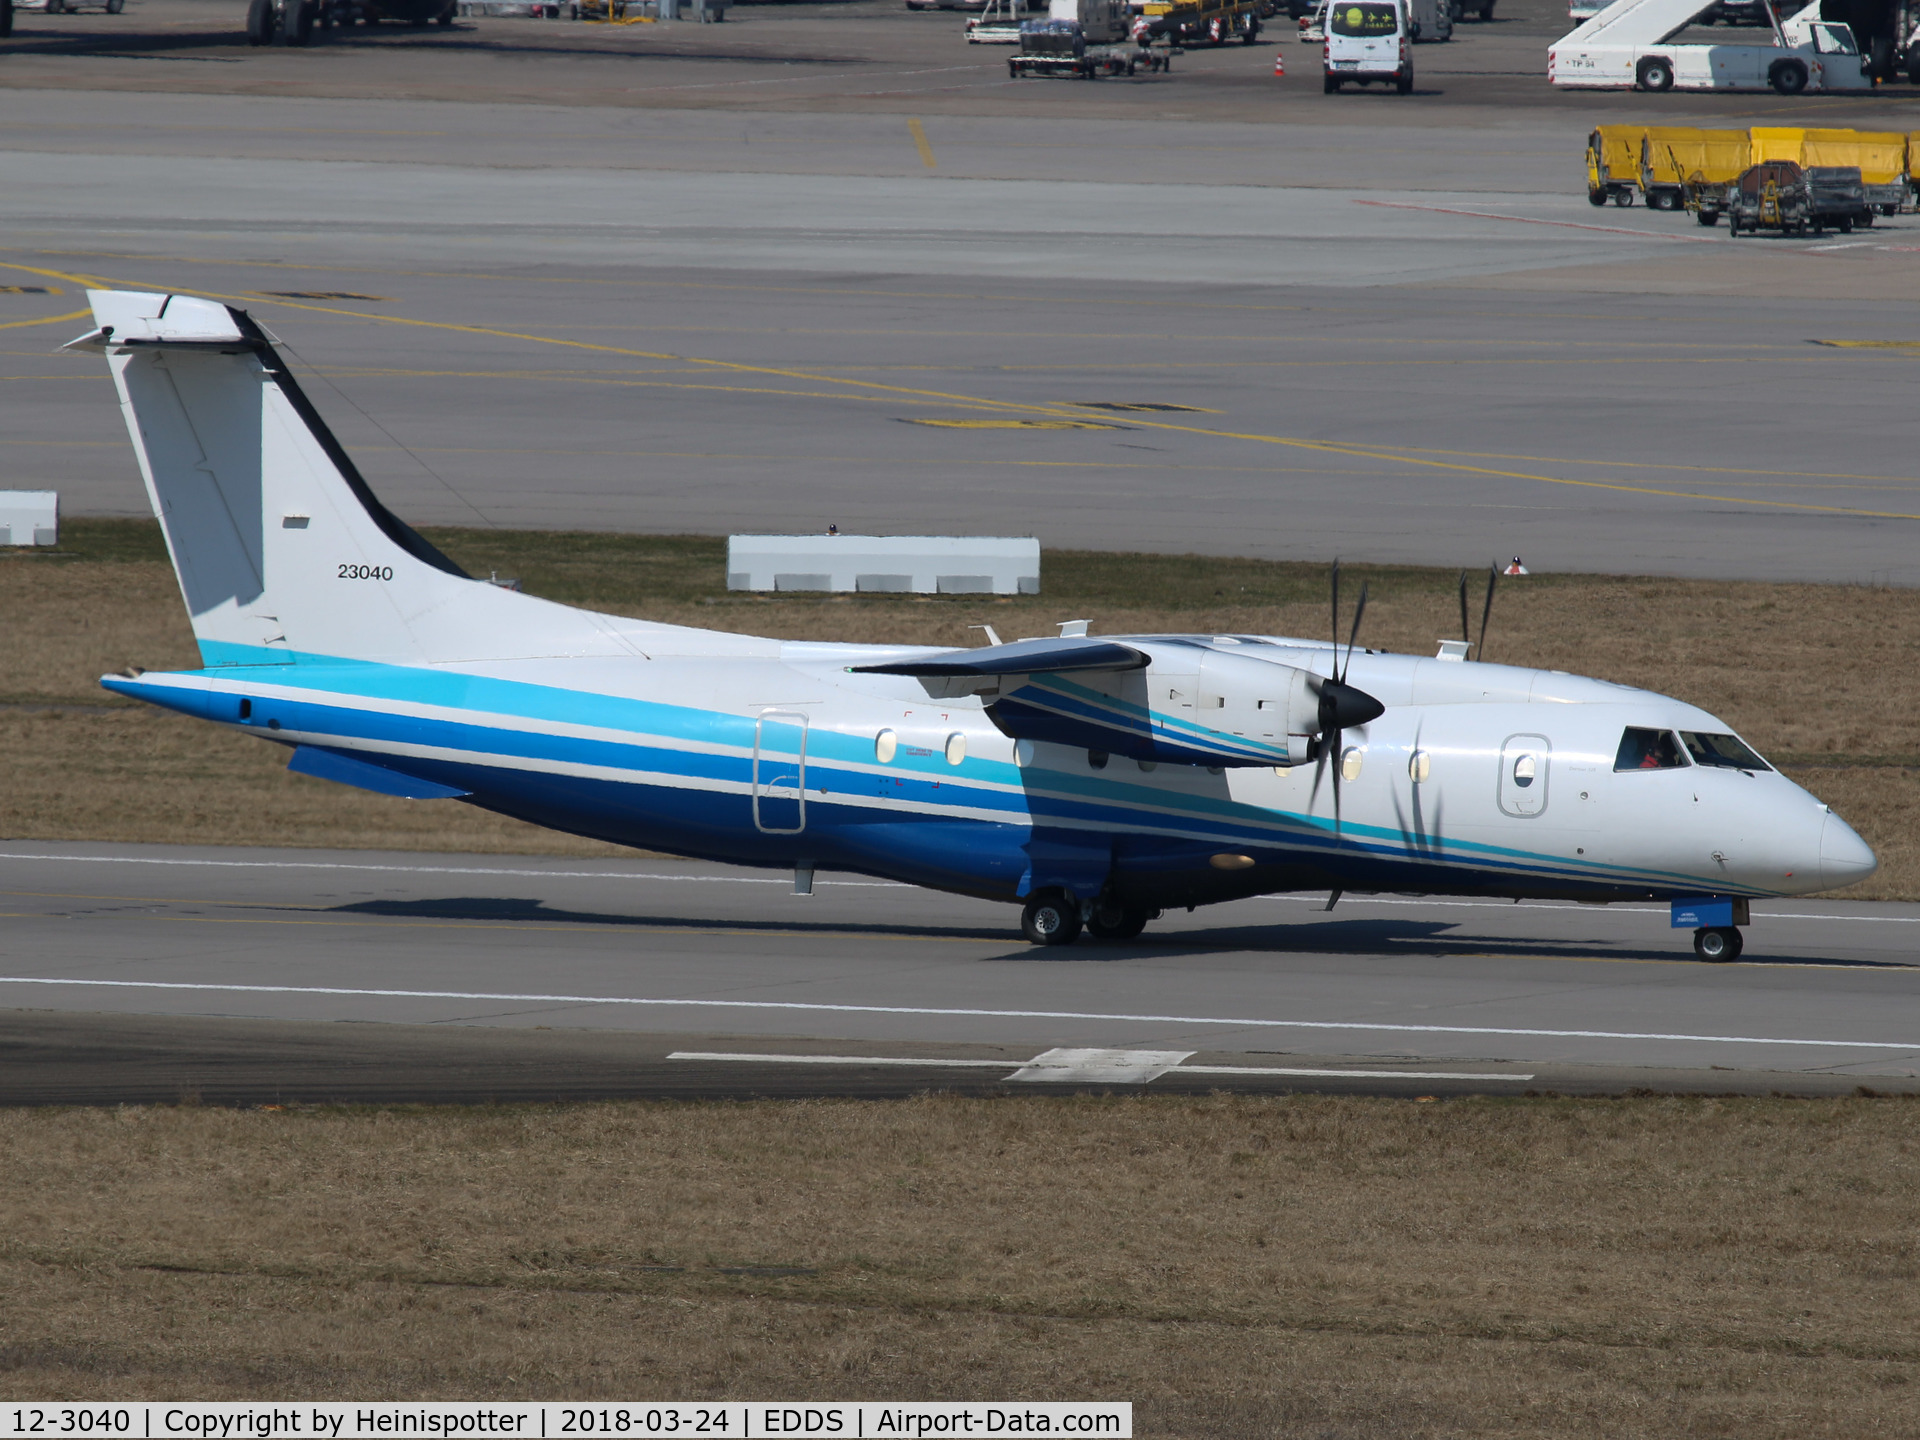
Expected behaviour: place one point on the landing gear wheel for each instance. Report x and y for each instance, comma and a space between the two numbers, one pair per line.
1117, 926
1718, 945
1050, 919
260, 22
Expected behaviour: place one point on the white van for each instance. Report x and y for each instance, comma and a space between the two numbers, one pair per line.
1368, 40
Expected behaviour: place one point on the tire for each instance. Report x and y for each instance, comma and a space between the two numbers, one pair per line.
1404, 83
6, 18
1331, 85
54, 7
1707, 217
1596, 197
1718, 945
1050, 919
445, 17
260, 22
1789, 77
1623, 198
1486, 12
1116, 927
1654, 75
114, 7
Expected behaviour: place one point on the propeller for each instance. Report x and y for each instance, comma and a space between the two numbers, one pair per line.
1486, 611
1341, 705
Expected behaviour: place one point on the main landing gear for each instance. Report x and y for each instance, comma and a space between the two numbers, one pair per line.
1052, 917
1718, 944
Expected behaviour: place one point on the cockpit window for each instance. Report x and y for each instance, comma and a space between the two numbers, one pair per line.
1729, 752
1649, 750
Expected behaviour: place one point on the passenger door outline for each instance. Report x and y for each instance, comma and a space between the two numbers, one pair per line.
1523, 788
779, 778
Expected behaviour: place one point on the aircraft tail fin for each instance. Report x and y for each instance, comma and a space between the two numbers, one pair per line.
280, 547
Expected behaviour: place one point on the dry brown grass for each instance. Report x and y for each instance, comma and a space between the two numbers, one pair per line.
1826, 677
1240, 1266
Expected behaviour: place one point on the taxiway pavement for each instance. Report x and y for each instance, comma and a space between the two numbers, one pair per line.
514, 977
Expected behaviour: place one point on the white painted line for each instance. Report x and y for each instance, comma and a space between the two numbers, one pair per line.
749, 1058
1108, 1067
445, 870
1239, 1022
1562, 907
1340, 1074
1570, 908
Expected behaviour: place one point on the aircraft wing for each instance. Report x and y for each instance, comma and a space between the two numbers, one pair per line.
1022, 657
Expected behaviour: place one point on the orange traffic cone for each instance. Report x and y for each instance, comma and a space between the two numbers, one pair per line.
1280, 64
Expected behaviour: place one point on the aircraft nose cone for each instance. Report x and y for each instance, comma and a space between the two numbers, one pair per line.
1844, 856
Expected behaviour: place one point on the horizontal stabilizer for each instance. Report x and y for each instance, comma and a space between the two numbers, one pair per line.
345, 770
1023, 657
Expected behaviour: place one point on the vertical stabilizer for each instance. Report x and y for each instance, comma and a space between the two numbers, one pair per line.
281, 549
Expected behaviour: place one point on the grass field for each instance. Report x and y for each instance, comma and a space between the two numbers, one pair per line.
1823, 679
1237, 1266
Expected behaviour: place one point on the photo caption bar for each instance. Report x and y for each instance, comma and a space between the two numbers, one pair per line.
437, 1420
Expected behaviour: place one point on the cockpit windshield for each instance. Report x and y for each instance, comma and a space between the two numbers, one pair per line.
1729, 752
1649, 750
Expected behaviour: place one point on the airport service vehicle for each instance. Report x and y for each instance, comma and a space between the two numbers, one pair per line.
1368, 40
1093, 781
1313, 27
1082, 39
1836, 198
1613, 163
70, 7
1880, 157
1631, 44
1199, 22
1773, 195
999, 22
1690, 169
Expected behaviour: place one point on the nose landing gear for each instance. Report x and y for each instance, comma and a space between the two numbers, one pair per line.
1717, 944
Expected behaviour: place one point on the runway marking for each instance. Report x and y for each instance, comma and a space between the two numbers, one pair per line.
844, 884
821, 1007
49, 320
920, 142
1063, 1072
1039, 408
441, 870
1528, 220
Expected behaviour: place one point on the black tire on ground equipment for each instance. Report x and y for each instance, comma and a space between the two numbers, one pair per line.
1623, 197
1050, 918
1486, 12
259, 22
54, 7
1718, 944
445, 17
1707, 217
1596, 197
6, 18
114, 7
1331, 85
1654, 74
1404, 83
1788, 77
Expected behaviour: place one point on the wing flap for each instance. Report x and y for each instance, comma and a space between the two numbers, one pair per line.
1022, 657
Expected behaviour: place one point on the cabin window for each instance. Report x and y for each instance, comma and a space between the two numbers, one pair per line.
1419, 766
1525, 770
1729, 752
884, 746
1351, 761
956, 748
1648, 750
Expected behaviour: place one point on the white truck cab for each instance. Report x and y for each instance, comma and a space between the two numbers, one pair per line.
1630, 44
1368, 41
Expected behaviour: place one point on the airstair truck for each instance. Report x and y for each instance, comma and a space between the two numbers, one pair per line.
1630, 45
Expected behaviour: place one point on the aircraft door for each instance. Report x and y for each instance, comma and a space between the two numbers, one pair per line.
780, 772
1525, 761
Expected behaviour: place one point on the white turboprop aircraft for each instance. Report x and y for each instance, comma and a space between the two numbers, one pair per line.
1095, 780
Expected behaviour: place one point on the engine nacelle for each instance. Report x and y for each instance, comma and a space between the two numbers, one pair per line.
1192, 705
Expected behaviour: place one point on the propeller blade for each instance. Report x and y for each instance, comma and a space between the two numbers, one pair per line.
1358, 611
1466, 630
1493, 579
1335, 631
1339, 760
